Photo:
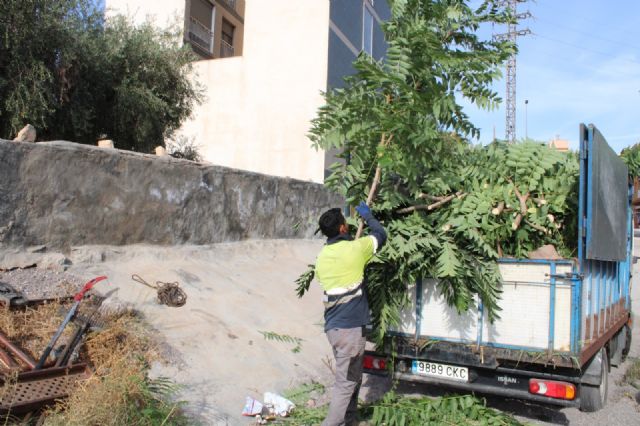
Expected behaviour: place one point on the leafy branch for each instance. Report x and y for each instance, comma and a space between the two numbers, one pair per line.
284, 338
402, 118
303, 282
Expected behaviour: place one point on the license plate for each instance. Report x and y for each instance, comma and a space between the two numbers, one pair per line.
451, 372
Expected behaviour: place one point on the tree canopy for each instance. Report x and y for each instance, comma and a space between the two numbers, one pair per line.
76, 77
631, 156
450, 208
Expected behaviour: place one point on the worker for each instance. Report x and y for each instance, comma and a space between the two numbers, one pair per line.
340, 270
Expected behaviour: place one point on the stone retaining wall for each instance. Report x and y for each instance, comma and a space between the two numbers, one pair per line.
62, 194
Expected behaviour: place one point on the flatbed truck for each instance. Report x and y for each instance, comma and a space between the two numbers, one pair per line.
563, 322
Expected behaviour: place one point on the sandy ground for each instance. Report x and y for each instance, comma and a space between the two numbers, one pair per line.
234, 291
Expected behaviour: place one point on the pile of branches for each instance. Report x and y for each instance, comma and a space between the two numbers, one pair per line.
450, 208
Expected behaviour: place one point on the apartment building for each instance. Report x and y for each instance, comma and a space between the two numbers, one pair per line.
215, 28
265, 65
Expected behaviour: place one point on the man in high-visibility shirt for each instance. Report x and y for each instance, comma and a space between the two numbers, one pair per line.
340, 270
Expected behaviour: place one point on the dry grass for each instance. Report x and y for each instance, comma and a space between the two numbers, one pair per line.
632, 375
119, 392
114, 395
32, 328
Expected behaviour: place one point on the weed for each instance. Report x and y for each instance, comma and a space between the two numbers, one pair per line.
396, 410
303, 414
120, 392
297, 341
184, 147
632, 375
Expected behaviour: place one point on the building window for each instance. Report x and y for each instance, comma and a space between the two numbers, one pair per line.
200, 34
226, 42
367, 29
231, 3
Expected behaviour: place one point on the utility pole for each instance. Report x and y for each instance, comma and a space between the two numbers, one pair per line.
511, 35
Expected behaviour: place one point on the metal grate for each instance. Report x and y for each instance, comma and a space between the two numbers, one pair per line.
35, 389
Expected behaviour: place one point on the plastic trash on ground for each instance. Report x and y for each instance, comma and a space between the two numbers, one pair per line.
280, 405
252, 407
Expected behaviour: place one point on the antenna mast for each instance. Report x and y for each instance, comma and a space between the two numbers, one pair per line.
511, 35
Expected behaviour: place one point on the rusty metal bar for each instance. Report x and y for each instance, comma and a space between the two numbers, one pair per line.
30, 303
7, 360
595, 346
38, 388
19, 353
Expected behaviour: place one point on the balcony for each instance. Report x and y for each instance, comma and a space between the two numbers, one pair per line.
226, 50
200, 35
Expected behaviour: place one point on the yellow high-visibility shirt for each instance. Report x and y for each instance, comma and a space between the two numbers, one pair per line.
341, 265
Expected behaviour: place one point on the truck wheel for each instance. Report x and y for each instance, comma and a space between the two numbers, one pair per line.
594, 398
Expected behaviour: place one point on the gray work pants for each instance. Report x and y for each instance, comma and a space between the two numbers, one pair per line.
348, 351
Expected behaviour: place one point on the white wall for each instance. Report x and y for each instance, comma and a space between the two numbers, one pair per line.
259, 106
162, 12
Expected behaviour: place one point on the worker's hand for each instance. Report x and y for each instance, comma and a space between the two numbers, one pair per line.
363, 209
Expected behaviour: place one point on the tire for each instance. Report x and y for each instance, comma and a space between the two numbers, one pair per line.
594, 398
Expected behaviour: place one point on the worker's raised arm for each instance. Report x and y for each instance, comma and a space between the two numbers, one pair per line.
375, 228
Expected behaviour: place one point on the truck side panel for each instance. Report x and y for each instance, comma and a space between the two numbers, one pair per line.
536, 308
527, 320
436, 319
606, 301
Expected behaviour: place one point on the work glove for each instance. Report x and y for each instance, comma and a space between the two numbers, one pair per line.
363, 210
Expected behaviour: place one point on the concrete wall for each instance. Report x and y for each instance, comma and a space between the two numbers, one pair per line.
62, 194
260, 105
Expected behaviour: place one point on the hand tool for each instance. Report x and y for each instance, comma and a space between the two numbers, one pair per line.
74, 308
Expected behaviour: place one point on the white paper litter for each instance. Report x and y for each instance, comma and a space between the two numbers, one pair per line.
281, 406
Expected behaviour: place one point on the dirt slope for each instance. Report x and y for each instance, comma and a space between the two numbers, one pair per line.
234, 290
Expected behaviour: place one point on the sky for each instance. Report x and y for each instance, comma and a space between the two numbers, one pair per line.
581, 64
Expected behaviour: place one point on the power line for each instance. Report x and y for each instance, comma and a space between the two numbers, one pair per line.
585, 49
570, 12
588, 34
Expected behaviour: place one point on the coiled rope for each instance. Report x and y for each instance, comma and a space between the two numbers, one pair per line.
169, 294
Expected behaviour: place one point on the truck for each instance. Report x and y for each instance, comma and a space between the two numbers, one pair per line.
563, 322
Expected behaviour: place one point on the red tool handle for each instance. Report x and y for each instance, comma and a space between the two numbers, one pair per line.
78, 297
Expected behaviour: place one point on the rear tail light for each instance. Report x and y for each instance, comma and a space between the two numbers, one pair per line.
374, 363
552, 389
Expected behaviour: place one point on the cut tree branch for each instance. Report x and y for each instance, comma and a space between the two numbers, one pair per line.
496, 211
384, 141
523, 207
537, 227
433, 206
432, 197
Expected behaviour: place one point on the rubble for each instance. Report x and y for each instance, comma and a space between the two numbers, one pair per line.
26, 134
105, 143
